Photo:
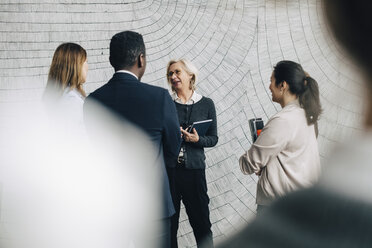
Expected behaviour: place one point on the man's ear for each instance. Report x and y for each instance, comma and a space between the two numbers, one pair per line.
141, 60
110, 60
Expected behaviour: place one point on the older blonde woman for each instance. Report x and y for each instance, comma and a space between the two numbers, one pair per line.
188, 178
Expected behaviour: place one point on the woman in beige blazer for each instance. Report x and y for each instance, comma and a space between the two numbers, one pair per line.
285, 155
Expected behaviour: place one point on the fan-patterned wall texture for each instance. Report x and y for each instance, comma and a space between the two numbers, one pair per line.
234, 43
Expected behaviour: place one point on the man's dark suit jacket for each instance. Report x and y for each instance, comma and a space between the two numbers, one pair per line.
151, 109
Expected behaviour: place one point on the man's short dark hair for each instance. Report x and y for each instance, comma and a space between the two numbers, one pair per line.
125, 47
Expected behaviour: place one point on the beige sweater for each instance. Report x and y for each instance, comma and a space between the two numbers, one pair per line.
286, 154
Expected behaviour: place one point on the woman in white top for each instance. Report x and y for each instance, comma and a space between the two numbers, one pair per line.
285, 155
64, 91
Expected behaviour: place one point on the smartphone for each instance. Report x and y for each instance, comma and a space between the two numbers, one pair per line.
256, 125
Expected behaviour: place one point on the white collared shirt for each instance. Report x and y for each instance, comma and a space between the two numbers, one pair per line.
193, 99
129, 72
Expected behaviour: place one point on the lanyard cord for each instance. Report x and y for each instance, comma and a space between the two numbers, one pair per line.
189, 117
182, 152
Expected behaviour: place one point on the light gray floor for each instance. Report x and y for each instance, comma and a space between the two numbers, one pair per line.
234, 43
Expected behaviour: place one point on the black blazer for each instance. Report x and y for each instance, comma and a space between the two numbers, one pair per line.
151, 109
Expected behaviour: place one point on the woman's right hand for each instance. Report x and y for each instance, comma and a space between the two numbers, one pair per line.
190, 137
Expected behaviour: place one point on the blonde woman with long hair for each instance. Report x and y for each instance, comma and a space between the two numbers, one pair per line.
64, 90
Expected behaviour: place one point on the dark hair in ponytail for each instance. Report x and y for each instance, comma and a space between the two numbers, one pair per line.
302, 85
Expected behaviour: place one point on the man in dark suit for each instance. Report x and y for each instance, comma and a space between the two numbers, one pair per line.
148, 107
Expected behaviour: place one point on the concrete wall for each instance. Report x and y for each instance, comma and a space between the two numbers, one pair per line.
234, 43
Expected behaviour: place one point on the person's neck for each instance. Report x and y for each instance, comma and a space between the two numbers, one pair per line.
132, 70
184, 95
288, 99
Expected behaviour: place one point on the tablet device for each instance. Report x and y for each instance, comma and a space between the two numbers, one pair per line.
200, 126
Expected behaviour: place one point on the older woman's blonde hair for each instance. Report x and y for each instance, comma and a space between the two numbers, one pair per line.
65, 70
189, 68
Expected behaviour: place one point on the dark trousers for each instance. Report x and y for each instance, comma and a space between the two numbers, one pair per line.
164, 235
190, 186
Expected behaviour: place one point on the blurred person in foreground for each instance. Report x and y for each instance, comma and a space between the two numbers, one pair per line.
190, 183
337, 212
286, 155
64, 91
148, 107
59, 191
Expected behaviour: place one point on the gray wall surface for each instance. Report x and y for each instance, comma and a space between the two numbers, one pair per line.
234, 43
